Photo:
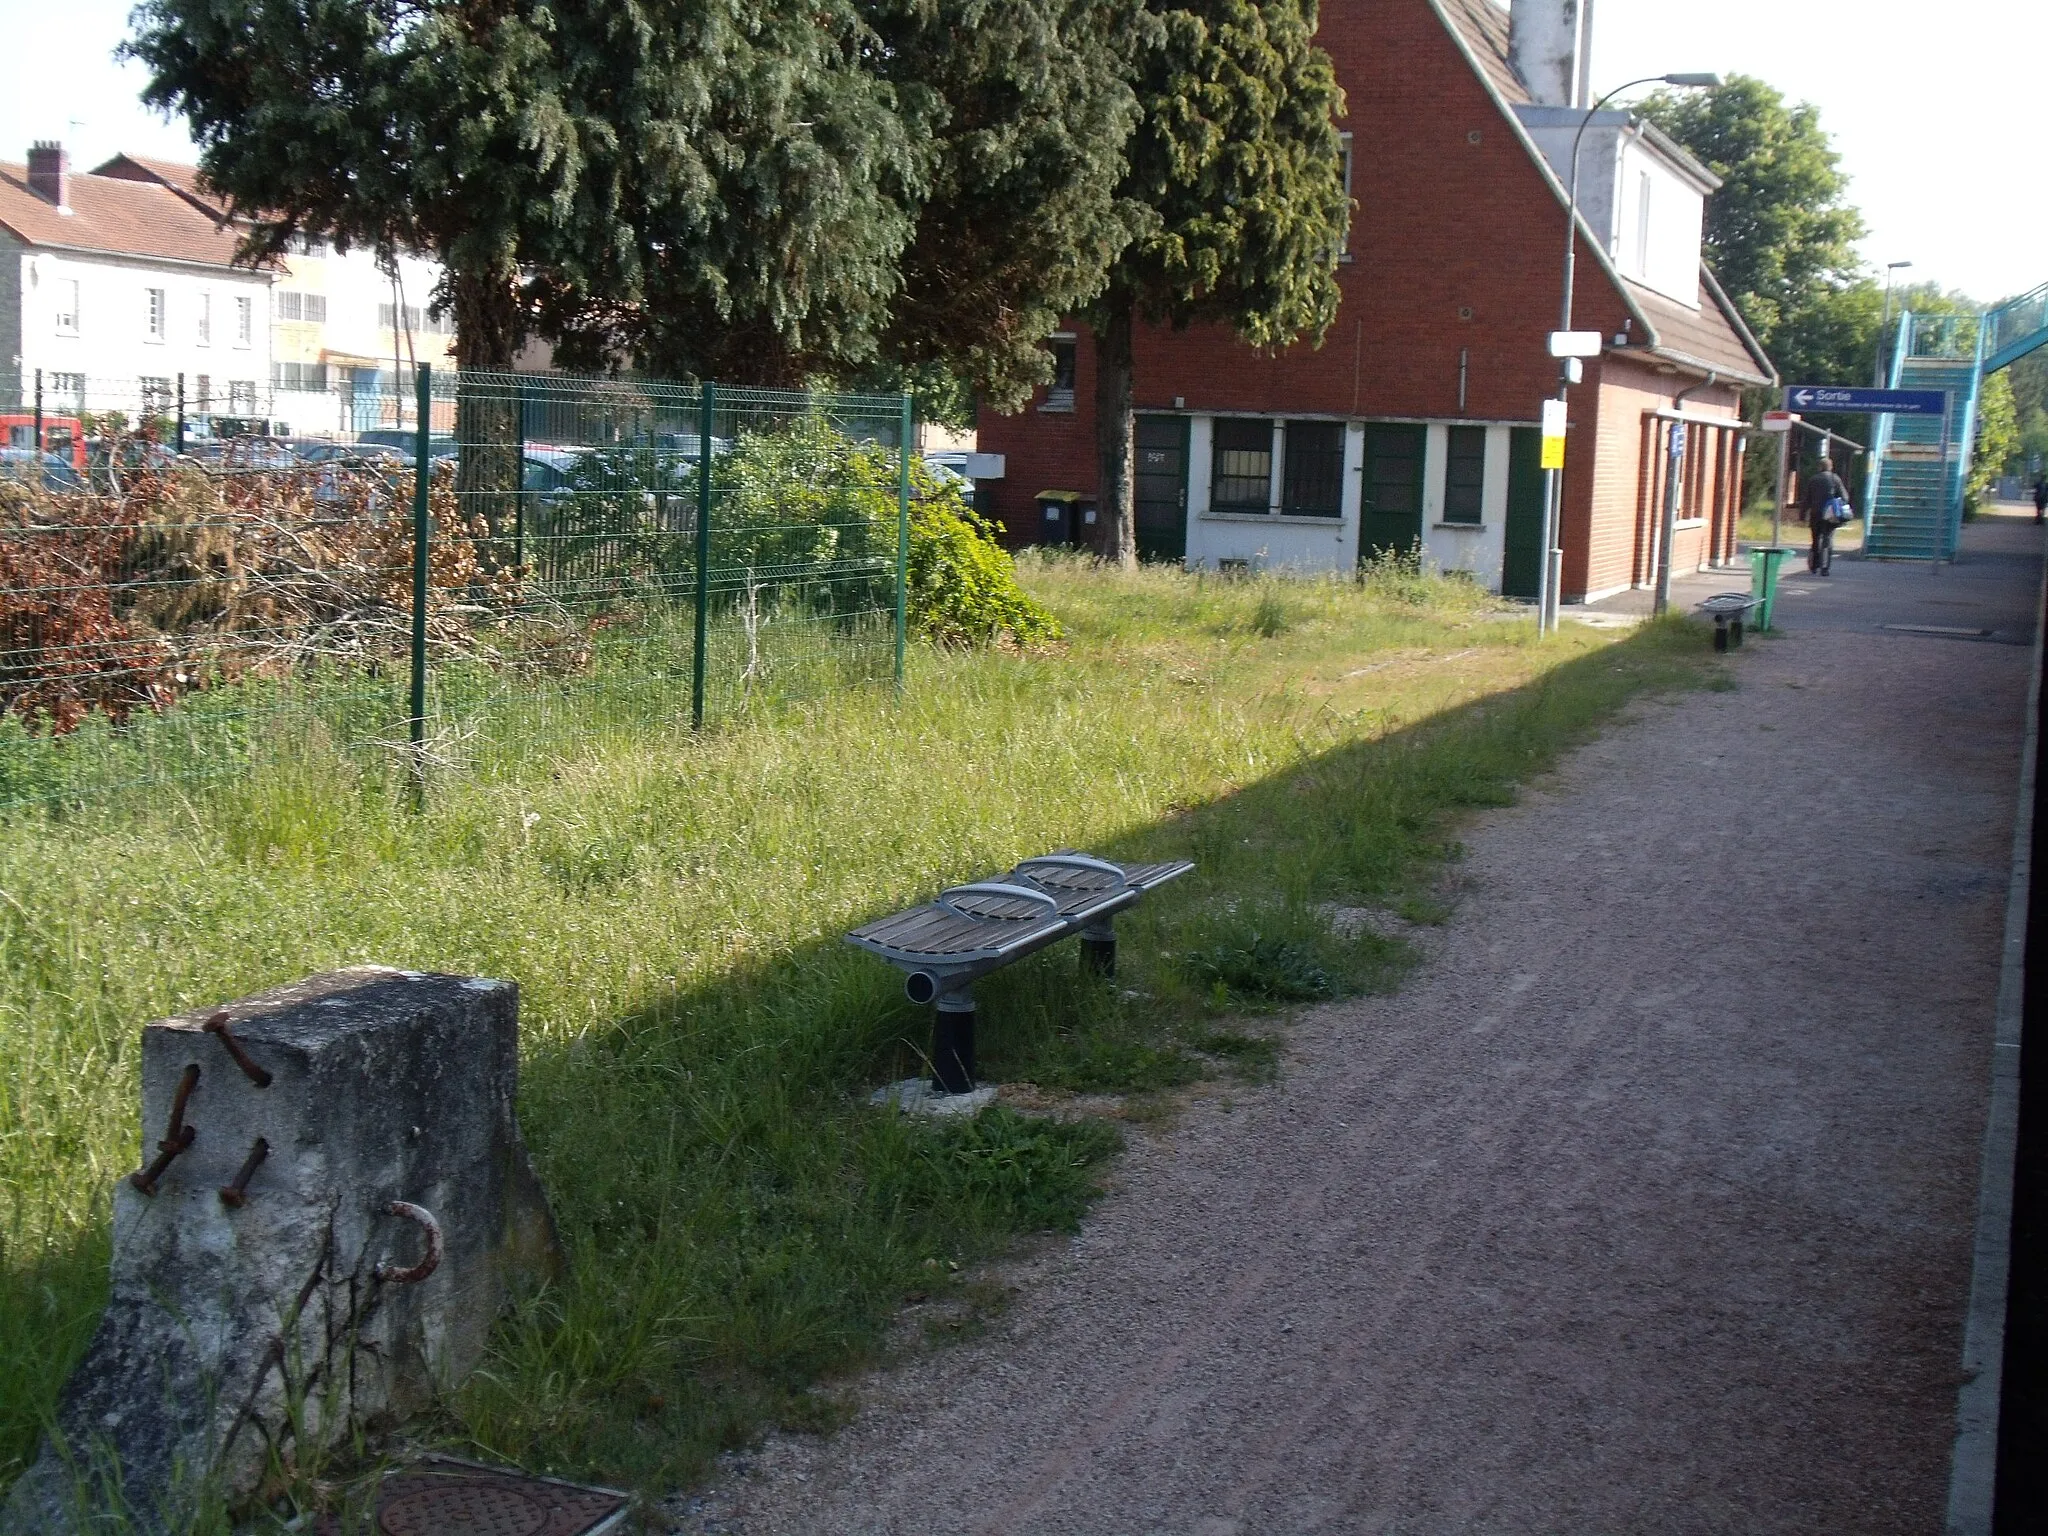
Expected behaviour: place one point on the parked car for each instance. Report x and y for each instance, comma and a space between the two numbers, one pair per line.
18, 467
405, 441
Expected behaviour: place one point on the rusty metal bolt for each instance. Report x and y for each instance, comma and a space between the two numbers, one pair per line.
187, 1081
218, 1025
235, 1195
146, 1179
427, 1265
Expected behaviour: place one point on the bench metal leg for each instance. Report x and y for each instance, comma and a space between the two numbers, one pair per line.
953, 1044
1098, 949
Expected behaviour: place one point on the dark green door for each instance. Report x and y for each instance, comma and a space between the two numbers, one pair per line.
1390, 519
1162, 487
1522, 554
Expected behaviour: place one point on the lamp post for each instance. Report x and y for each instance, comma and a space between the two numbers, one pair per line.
1884, 331
1552, 575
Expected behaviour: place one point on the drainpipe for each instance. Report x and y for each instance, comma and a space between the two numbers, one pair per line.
1677, 457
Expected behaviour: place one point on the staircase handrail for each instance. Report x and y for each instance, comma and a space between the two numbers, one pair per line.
2017, 327
1881, 429
1965, 448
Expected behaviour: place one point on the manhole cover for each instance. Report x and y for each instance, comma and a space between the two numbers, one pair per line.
442, 1497
462, 1507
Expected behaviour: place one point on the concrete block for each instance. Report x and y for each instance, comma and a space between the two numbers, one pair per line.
241, 1338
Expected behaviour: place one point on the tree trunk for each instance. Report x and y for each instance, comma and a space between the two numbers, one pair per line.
1113, 428
488, 335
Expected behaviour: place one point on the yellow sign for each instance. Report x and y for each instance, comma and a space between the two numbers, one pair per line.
1553, 434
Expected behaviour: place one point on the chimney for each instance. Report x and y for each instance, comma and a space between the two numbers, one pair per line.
1545, 40
49, 172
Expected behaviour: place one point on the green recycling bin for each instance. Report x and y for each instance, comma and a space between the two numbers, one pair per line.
1764, 564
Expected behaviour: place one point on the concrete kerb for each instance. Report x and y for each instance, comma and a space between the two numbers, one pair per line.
1973, 1468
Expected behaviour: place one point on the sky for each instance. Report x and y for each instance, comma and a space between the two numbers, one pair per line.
1939, 112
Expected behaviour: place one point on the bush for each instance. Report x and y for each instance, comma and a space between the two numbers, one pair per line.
807, 497
963, 585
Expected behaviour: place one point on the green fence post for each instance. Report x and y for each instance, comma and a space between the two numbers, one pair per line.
519, 475
181, 415
906, 426
422, 472
706, 405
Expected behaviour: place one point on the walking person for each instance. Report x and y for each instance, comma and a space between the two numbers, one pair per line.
1827, 508
2040, 497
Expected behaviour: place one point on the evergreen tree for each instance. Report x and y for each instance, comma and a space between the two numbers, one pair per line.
765, 222
1025, 213
1237, 166
982, 206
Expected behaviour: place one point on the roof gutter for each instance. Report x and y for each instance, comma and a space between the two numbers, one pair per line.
270, 274
1719, 373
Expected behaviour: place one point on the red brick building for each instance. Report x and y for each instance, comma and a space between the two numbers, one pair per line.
1415, 422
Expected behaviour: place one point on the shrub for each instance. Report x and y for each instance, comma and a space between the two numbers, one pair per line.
963, 585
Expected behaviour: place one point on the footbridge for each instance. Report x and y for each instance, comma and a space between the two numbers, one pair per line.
1920, 464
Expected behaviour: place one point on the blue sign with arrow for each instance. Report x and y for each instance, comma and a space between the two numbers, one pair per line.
1897, 402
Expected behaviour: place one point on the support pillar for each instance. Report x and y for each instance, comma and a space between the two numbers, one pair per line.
953, 1044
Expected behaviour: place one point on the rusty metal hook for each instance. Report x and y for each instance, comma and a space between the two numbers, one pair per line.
146, 1179
218, 1025
235, 1195
427, 1265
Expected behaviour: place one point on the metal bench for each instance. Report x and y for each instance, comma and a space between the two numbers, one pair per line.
1728, 610
944, 946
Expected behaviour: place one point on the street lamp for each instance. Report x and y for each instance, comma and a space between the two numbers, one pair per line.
1884, 330
1552, 575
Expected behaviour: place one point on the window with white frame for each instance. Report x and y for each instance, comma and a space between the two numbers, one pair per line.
1312, 469
1059, 395
205, 319
310, 307
1643, 185
1465, 475
158, 394
1241, 470
245, 322
66, 296
242, 396
66, 390
302, 378
155, 315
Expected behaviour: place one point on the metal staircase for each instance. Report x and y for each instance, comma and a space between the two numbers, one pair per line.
1921, 464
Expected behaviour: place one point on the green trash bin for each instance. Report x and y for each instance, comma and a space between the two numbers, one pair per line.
1764, 564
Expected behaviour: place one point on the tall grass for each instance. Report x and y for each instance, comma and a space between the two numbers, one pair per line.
699, 1043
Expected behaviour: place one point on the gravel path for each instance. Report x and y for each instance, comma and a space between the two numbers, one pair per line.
1645, 1207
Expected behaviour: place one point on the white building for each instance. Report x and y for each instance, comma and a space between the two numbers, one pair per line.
117, 295
347, 330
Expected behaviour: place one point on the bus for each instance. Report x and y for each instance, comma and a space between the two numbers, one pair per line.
62, 435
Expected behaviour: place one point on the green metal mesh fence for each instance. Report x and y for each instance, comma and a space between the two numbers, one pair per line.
474, 573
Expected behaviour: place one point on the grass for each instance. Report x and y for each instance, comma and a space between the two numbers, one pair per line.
699, 1042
